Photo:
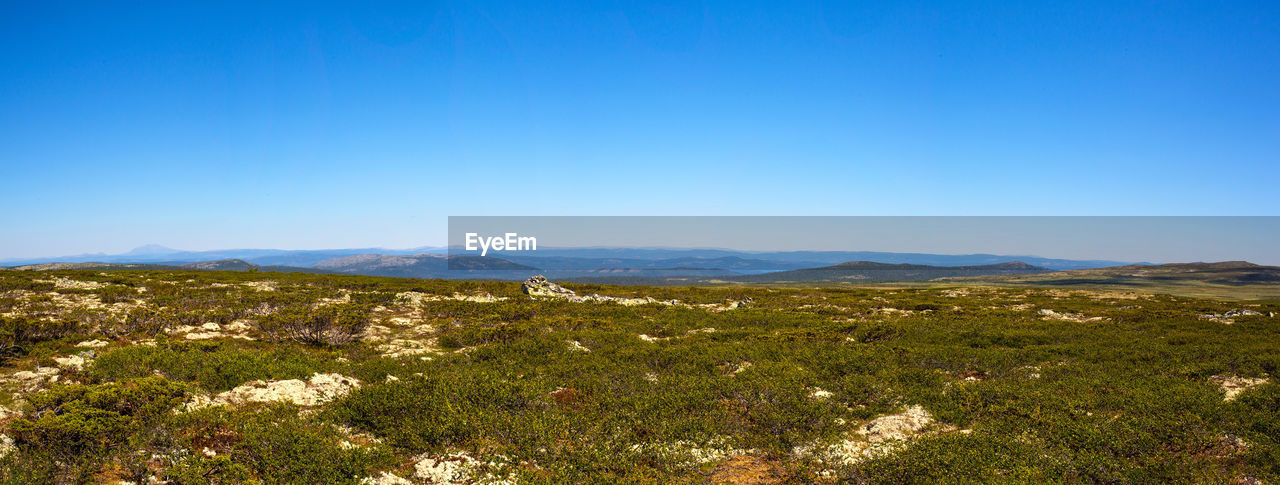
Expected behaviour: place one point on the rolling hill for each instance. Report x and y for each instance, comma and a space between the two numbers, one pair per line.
873, 271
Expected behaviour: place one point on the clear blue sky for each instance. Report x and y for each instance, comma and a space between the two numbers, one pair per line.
306, 125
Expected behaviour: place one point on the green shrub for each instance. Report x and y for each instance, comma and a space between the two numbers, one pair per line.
214, 366
428, 412
278, 446
18, 332
330, 325
116, 294
77, 425
143, 322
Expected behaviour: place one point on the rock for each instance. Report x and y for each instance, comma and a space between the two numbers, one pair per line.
321, 388
71, 362
6, 445
93, 344
25, 375
1228, 316
540, 286
1241, 313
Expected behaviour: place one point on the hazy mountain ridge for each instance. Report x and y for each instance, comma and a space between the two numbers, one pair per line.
425, 265
877, 271
577, 258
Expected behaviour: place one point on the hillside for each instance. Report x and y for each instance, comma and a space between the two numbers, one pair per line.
239, 377
871, 271
1239, 278
425, 266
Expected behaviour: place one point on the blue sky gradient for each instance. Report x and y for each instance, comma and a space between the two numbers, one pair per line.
314, 125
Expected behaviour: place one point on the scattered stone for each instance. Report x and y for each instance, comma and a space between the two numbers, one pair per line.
404, 347
820, 394
450, 469
64, 283
879, 437
385, 478
320, 389
75, 362
577, 346
417, 298
6, 445
1228, 317
689, 453
93, 344
1070, 317
30, 380
1233, 386
733, 369
540, 287
974, 376
455, 468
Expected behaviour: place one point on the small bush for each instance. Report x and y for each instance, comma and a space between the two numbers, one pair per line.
214, 366
116, 294
18, 332
147, 322
330, 325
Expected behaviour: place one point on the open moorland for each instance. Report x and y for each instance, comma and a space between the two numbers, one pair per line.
191, 377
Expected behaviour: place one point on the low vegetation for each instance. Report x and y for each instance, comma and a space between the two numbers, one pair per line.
236, 377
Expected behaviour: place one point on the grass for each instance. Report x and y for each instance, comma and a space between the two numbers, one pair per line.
1016, 397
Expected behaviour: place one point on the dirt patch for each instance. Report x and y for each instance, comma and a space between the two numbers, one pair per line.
747, 470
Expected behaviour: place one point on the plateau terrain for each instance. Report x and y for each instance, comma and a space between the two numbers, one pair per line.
181, 375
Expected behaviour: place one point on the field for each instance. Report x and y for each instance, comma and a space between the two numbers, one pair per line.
247, 377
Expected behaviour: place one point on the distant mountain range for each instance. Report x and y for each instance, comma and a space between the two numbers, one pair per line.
576, 259
1237, 279
154, 254
614, 264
